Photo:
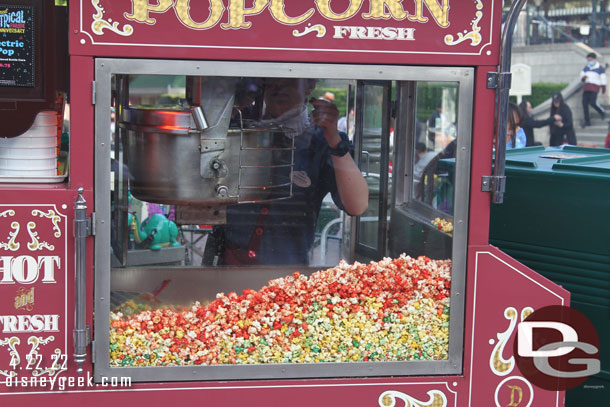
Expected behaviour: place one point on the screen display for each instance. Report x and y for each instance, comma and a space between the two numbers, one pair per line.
17, 47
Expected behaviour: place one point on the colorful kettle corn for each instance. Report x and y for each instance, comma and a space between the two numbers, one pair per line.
443, 224
392, 310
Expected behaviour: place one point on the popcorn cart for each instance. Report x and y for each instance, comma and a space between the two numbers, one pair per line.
336, 266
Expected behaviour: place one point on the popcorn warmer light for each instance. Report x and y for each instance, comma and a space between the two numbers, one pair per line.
392, 310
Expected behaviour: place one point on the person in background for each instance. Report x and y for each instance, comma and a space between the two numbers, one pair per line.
329, 96
422, 159
593, 77
562, 131
515, 136
528, 123
345, 126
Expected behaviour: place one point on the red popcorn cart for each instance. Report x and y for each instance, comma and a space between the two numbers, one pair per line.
267, 203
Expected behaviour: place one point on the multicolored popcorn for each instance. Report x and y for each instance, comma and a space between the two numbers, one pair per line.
391, 310
443, 225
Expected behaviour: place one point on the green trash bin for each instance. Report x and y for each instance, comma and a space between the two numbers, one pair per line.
555, 219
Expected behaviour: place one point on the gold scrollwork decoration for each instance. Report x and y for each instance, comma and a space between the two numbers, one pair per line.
526, 312
33, 356
99, 24
12, 245
319, 29
7, 213
12, 343
54, 218
59, 362
35, 244
498, 364
474, 35
388, 399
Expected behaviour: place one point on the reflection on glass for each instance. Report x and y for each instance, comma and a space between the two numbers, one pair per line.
259, 187
370, 161
434, 149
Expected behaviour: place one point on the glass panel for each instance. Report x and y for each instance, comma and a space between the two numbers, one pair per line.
434, 149
371, 162
224, 187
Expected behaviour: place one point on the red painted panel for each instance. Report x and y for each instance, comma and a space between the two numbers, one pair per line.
444, 32
502, 292
482, 141
418, 392
81, 123
36, 283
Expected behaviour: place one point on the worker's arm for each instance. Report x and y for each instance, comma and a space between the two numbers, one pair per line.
352, 187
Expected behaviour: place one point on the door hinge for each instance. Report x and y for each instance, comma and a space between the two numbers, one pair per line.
93, 350
494, 184
88, 227
93, 93
92, 224
498, 80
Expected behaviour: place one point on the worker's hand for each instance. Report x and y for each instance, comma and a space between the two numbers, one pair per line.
557, 117
559, 123
325, 115
584, 78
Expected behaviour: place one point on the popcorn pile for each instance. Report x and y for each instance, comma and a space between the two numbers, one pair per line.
391, 310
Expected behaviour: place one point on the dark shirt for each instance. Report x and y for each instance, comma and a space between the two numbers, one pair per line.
288, 229
529, 124
560, 135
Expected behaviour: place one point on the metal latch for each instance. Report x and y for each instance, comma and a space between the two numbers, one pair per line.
498, 80
494, 184
82, 229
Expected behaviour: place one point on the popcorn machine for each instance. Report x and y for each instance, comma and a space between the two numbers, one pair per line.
336, 265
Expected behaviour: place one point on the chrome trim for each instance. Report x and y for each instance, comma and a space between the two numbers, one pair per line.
81, 231
105, 68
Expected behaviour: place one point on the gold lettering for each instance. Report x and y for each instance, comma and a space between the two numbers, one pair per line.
278, 12
183, 8
325, 10
441, 15
512, 396
30, 296
24, 299
141, 8
378, 9
238, 11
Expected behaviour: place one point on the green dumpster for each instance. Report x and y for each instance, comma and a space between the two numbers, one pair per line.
555, 219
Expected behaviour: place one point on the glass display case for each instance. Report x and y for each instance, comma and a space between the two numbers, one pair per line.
271, 220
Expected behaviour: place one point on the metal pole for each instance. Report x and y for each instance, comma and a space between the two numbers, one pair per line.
593, 39
81, 231
528, 24
503, 87
602, 23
